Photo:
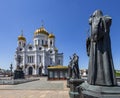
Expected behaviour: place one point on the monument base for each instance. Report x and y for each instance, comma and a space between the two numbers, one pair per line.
18, 74
92, 91
74, 90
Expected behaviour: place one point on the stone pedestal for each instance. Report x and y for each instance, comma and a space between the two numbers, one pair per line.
74, 90
18, 74
92, 91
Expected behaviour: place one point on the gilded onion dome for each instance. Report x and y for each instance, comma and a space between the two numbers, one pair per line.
21, 37
51, 36
41, 30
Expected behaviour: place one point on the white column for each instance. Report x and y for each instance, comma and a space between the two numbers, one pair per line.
53, 59
43, 63
53, 42
36, 63
24, 60
26, 71
48, 43
62, 59
16, 58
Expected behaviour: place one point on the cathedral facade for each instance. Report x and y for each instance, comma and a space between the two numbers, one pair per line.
36, 57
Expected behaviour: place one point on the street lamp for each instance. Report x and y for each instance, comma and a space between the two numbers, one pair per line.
11, 67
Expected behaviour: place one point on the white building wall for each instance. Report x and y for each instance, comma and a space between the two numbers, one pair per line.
24, 60
43, 63
44, 53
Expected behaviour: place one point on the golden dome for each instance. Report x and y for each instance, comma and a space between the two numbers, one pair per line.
58, 67
51, 36
21, 37
41, 30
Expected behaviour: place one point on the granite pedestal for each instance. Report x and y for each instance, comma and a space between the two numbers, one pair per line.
74, 90
92, 91
18, 74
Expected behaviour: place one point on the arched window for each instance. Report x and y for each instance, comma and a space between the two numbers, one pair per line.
40, 59
50, 51
38, 42
46, 42
30, 47
30, 59
50, 42
40, 48
24, 45
20, 49
20, 43
42, 42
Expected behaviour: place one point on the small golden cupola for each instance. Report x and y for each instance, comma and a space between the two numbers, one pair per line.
51, 40
51, 36
21, 37
41, 30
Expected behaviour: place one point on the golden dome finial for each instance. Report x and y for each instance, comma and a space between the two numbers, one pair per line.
41, 30
21, 32
42, 22
21, 37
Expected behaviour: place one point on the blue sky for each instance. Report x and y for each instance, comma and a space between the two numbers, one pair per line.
67, 19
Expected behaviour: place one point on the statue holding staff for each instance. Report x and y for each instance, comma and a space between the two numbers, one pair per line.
75, 67
101, 68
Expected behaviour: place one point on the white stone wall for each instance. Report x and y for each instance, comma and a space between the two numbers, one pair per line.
34, 50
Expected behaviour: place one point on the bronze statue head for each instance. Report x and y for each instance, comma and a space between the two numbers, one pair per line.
97, 13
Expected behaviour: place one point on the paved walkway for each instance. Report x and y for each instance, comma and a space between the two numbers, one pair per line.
36, 89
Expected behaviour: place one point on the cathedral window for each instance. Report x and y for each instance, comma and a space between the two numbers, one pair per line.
38, 42
33, 59
20, 43
30, 59
50, 51
42, 42
20, 49
40, 48
39, 59
46, 42
24, 45
51, 43
50, 61
30, 47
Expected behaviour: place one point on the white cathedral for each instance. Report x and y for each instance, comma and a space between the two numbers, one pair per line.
38, 56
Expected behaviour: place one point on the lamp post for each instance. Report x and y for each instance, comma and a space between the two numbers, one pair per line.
11, 67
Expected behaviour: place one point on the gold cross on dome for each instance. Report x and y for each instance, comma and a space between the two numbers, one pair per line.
42, 22
21, 32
